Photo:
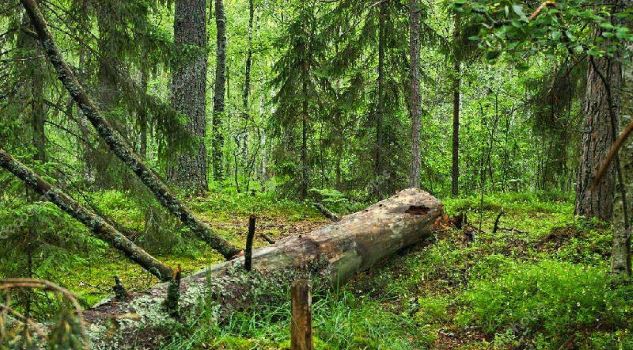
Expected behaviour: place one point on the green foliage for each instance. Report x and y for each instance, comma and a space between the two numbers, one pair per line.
335, 200
562, 26
546, 303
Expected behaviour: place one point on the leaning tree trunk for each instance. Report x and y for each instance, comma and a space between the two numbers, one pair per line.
117, 144
219, 91
97, 224
188, 92
333, 253
415, 108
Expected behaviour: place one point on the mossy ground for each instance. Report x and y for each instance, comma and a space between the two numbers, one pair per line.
503, 290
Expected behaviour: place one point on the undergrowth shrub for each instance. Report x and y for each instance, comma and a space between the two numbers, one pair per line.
545, 202
547, 304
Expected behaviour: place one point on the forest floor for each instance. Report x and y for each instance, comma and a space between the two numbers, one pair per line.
540, 281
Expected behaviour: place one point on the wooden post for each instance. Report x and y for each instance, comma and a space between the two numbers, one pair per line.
248, 253
173, 294
301, 323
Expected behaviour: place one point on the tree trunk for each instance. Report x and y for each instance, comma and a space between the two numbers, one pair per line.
117, 144
34, 69
220, 85
98, 225
456, 106
142, 116
380, 103
305, 180
598, 135
415, 107
335, 252
249, 57
188, 92
107, 94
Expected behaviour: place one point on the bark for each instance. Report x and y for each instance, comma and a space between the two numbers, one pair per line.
117, 144
98, 225
188, 92
142, 117
334, 252
380, 105
415, 103
249, 57
598, 136
305, 175
621, 252
301, 322
220, 86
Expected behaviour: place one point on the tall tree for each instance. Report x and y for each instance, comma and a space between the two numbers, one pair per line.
456, 106
33, 68
249, 57
415, 103
601, 109
219, 90
297, 81
380, 100
188, 91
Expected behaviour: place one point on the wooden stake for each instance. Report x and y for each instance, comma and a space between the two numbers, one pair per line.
301, 323
173, 294
248, 253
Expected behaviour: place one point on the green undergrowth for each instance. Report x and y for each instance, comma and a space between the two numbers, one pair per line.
540, 282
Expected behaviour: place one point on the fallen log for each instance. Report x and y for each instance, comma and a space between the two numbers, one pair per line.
333, 253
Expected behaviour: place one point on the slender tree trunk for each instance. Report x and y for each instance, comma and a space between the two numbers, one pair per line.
34, 69
101, 228
107, 95
380, 103
118, 144
249, 57
142, 117
305, 180
188, 92
220, 86
456, 107
611, 78
415, 103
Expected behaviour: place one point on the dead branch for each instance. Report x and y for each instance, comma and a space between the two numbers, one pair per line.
538, 10
327, 213
613, 151
31, 283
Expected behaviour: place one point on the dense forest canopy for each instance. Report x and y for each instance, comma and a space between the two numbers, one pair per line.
131, 130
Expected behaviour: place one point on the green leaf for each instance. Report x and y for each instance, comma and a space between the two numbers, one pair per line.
622, 32
607, 25
518, 9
